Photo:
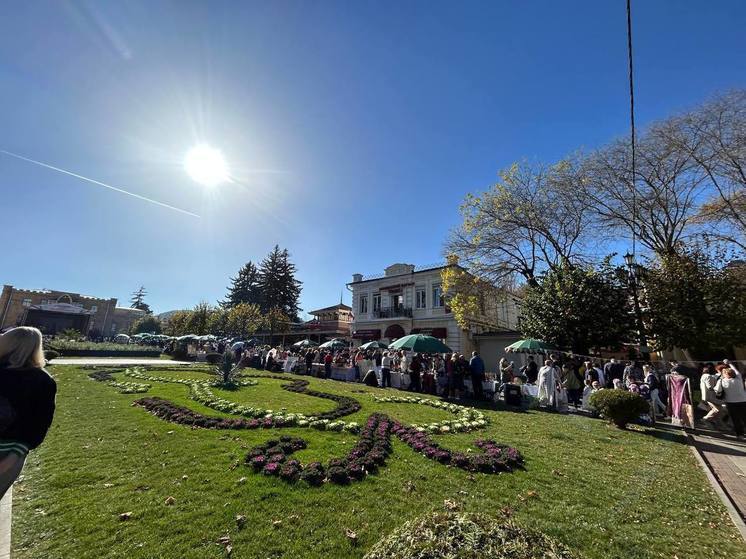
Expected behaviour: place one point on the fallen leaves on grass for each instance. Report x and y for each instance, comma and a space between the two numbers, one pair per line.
169, 501
240, 521
352, 536
125, 516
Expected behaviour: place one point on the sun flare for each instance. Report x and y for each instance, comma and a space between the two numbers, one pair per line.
206, 165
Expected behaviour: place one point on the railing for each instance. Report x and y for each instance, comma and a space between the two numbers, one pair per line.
417, 268
393, 312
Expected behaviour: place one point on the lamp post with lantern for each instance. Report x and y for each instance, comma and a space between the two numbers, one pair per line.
634, 277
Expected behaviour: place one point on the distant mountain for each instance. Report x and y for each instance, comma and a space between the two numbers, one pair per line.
164, 316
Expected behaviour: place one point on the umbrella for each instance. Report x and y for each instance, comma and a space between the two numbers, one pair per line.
237, 345
335, 343
421, 344
529, 346
305, 343
374, 345
187, 338
252, 342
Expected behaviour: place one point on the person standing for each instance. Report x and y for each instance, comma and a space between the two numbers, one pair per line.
328, 364
27, 400
654, 385
386, 362
415, 368
548, 383
707, 383
377, 360
532, 370
476, 367
573, 383
733, 391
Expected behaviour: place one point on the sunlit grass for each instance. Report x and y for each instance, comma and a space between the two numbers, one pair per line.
604, 492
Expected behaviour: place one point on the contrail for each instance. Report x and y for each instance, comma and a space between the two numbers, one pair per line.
114, 188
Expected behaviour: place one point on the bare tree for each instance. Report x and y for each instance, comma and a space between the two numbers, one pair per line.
660, 205
714, 136
531, 220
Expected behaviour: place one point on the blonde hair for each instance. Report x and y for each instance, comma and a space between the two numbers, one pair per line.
21, 348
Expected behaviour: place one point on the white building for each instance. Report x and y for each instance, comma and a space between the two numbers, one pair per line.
407, 299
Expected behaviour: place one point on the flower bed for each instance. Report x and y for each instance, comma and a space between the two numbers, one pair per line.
496, 457
201, 392
123, 387
370, 452
345, 404
468, 418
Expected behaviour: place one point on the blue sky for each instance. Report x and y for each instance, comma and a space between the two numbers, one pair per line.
353, 128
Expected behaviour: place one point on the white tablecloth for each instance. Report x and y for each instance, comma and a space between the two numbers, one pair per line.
400, 380
343, 373
487, 385
530, 390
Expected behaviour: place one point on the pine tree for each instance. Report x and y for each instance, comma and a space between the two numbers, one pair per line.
244, 287
138, 300
279, 288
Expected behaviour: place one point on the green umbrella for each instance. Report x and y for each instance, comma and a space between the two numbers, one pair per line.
336, 343
421, 344
305, 343
530, 346
374, 345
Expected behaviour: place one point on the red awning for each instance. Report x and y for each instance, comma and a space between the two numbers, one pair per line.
367, 334
440, 333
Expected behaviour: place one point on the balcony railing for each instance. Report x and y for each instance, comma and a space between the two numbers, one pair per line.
393, 312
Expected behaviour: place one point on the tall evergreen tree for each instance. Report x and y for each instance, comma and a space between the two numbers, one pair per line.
279, 288
244, 287
138, 300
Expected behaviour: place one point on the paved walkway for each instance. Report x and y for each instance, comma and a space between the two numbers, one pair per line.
115, 361
725, 460
5, 525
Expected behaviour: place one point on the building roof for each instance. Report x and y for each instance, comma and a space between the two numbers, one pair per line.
337, 307
414, 270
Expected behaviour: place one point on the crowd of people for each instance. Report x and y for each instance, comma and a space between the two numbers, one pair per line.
561, 383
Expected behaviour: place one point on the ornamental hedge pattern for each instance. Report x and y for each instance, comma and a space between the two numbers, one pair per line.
274, 458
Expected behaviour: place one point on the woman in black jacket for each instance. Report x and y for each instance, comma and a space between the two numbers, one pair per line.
27, 394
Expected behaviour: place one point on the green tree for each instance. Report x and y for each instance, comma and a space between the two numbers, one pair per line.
696, 304
147, 324
199, 319
244, 319
279, 288
138, 300
275, 320
217, 324
178, 323
244, 287
578, 308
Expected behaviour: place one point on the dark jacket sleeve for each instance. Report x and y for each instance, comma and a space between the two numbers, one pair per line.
37, 417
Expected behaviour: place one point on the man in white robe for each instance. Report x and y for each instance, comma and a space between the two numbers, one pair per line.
548, 382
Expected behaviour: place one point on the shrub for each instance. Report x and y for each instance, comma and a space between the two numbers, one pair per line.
213, 358
451, 535
51, 354
619, 406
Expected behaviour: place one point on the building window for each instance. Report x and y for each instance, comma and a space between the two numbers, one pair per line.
376, 302
437, 296
94, 308
421, 298
113, 327
363, 304
26, 302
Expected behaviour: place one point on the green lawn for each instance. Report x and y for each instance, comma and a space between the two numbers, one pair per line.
601, 491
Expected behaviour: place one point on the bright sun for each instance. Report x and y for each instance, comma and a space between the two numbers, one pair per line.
206, 165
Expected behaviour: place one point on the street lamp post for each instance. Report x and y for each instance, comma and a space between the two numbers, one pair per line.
629, 259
